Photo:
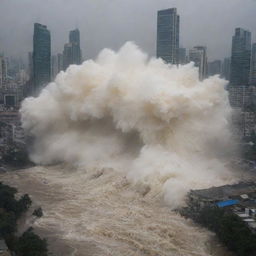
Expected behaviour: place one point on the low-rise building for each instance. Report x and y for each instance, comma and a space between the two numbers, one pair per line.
239, 198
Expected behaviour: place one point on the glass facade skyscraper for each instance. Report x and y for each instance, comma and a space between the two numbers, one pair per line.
168, 26
41, 56
240, 58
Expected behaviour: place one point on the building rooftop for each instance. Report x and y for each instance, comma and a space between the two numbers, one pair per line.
227, 203
225, 192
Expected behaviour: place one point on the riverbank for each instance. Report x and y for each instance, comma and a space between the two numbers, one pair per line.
13, 210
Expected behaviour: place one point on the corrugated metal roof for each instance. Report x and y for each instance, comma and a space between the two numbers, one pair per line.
227, 203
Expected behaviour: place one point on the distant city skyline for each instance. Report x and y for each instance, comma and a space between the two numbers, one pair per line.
111, 23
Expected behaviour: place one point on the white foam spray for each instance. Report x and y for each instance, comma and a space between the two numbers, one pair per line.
156, 123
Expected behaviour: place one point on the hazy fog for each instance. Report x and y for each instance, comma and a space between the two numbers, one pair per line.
110, 23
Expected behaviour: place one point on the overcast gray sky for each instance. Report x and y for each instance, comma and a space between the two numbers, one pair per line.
110, 23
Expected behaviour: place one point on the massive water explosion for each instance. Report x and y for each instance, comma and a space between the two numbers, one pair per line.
156, 123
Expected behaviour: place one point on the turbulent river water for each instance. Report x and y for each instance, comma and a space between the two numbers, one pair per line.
101, 213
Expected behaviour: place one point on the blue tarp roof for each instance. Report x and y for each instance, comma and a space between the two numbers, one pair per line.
227, 203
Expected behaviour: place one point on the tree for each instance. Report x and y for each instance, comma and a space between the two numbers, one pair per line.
7, 223
30, 244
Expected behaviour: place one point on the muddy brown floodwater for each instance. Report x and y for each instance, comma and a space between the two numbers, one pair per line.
103, 214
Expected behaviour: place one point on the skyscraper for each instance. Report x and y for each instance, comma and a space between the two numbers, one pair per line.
240, 58
253, 66
199, 57
74, 39
72, 51
41, 56
168, 26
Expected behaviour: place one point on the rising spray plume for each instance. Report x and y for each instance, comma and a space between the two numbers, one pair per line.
156, 123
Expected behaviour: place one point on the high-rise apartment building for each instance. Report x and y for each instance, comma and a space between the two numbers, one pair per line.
168, 26
240, 58
72, 50
41, 56
253, 66
199, 57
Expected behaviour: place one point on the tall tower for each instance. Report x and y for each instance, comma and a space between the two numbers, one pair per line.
253, 66
41, 56
168, 30
199, 57
72, 51
74, 39
240, 58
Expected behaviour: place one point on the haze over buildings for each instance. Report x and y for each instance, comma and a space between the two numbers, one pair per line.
101, 21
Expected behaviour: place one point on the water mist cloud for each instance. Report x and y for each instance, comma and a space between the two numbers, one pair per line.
156, 123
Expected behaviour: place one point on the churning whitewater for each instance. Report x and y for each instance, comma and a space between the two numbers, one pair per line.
156, 123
